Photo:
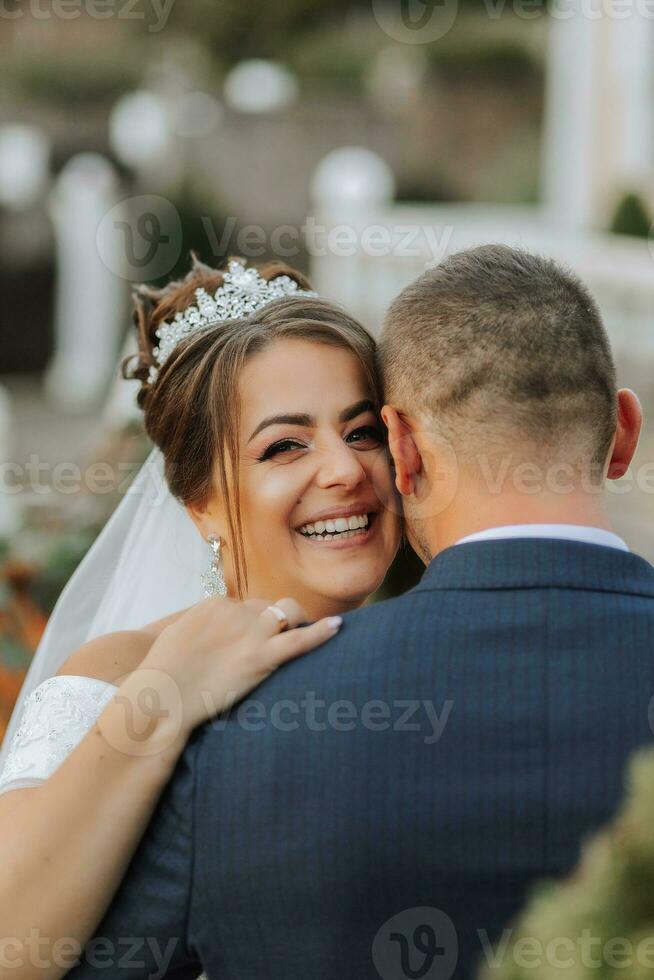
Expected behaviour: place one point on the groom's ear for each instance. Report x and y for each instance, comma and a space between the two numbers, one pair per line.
404, 451
627, 433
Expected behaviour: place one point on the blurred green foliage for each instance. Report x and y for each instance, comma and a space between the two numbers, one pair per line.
333, 60
248, 28
500, 58
82, 78
631, 217
330, 48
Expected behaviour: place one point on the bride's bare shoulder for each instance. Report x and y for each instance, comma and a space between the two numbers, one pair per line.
110, 657
114, 655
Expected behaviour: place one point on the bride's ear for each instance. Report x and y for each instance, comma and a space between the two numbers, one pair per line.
403, 449
210, 517
203, 518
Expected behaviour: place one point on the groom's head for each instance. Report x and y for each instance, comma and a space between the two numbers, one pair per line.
499, 358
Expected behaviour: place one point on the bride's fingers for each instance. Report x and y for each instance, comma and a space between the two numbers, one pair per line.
285, 614
292, 643
295, 614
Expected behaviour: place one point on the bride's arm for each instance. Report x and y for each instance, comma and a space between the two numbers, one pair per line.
66, 844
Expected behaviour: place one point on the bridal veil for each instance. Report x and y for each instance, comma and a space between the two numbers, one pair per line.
145, 564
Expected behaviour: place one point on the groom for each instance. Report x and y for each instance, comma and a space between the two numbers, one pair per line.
388, 801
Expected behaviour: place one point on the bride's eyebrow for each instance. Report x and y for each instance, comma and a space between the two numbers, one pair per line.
365, 405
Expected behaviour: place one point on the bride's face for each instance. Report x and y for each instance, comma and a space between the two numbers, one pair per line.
313, 461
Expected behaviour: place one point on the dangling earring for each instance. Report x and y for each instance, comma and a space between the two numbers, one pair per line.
214, 580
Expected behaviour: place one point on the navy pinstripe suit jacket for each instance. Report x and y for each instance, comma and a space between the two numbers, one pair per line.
444, 752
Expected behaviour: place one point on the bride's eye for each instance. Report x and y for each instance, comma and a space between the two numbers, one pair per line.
283, 446
367, 436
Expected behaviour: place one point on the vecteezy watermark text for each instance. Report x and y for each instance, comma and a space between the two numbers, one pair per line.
127, 952
315, 714
140, 238
340, 240
160, 699
154, 13
423, 941
593, 952
45, 478
427, 21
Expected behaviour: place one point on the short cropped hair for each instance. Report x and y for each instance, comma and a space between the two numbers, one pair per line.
496, 348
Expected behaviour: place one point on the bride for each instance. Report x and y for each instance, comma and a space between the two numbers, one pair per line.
270, 467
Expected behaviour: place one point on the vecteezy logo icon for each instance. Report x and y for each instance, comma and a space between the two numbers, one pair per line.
407, 13
151, 715
149, 231
424, 940
415, 21
149, 704
140, 238
416, 944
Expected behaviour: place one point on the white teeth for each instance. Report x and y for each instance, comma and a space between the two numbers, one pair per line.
344, 527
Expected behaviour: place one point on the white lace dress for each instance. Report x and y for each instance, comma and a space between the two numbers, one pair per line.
56, 717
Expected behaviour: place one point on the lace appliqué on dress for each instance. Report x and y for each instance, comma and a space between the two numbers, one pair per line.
56, 716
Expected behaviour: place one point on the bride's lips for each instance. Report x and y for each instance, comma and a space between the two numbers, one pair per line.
356, 538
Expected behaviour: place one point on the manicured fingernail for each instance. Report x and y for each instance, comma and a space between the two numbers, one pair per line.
334, 622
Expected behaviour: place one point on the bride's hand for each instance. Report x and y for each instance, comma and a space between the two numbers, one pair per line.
220, 649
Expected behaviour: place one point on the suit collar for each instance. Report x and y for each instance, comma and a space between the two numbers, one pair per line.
527, 563
569, 532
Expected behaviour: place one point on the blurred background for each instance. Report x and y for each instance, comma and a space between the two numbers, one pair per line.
360, 140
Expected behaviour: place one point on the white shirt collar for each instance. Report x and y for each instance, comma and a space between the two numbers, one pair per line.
570, 532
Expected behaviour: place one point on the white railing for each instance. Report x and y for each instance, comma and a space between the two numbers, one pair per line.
399, 242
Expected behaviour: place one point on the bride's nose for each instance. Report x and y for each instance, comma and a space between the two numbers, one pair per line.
340, 466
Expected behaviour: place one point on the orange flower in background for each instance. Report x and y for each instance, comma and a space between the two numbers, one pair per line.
21, 627
10, 685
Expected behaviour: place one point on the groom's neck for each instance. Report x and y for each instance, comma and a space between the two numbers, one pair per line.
472, 510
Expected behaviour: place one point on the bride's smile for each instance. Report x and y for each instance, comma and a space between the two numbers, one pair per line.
338, 528
315, 486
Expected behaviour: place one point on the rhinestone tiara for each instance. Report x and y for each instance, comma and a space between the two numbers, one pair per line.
243, 292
